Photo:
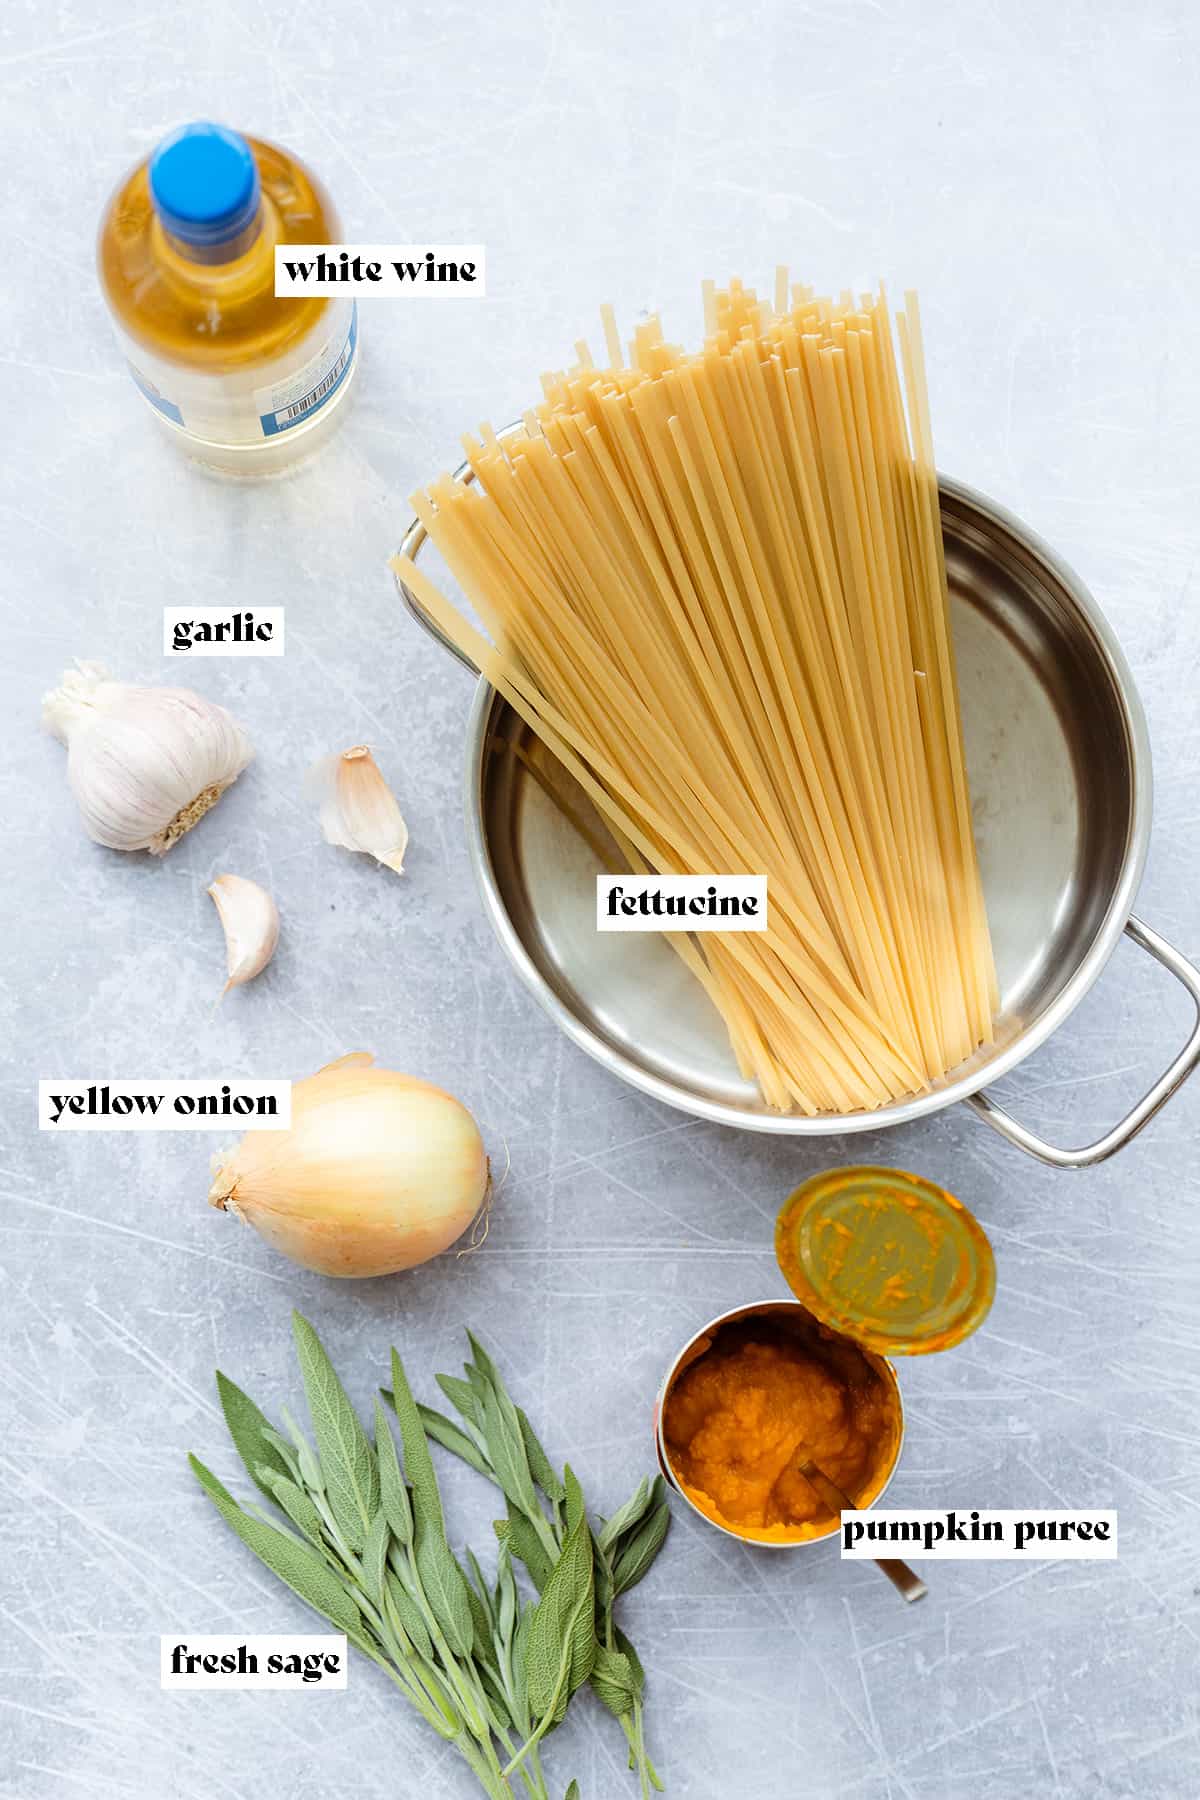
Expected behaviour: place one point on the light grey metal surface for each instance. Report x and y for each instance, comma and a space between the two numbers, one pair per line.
1033, 171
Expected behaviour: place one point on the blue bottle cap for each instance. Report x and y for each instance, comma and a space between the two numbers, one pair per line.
204, 184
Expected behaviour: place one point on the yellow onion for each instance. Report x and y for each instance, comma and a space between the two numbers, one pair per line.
378, 1172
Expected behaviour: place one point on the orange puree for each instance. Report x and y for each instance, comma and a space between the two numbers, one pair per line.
762, 1397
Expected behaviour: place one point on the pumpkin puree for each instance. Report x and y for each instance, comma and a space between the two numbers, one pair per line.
762, 1397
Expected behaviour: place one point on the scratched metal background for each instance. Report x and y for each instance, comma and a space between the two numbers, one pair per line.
1034, 171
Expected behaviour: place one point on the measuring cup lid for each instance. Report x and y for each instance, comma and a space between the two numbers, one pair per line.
886, 1258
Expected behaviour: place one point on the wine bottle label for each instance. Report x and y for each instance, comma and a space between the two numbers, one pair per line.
157, 399
249, 406
290, 402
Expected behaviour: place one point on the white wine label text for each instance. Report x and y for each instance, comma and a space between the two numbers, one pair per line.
386, 271
207, 1105
228, 1661
681, 903
1009, 1535
222, 631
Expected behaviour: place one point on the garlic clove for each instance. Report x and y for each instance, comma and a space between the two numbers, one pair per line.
250, 921
144, 763
357, 807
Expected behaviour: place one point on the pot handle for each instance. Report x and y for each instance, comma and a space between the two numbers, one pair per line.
410, 544
1147, 1106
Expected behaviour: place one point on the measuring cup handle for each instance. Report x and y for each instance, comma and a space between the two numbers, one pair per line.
1147, 1106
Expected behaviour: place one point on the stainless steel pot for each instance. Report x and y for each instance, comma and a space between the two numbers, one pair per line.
1059, 764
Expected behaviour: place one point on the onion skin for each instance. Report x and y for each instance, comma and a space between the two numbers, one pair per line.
378, 1173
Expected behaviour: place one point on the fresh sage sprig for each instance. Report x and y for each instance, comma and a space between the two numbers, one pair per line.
362, 1539
546, 1534
358, 1532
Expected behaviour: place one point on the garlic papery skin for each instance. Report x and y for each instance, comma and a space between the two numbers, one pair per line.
377, 1172
250, 920
358, 808
144, 763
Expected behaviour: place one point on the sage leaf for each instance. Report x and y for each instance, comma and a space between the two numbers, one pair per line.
296, 1504
255, 1511
445, 1588
483, 1365
500, 1424
409, 1614
310, 1468
614, 1681
540, 1466
248, 1427
461, 1396
507, 1602
641, 1549
482, 1635
523, 1538
433, 1680
393, 1490
451, 1437
375, 1556
286, 1450
627, 1650
351, 1477
625, 1517
418, 1464
496, 1701
520, 1648
479, 1582
603, 1581
562, 1637
581, 1637
506, 1451
298, 1567
477, 1381
576, 1505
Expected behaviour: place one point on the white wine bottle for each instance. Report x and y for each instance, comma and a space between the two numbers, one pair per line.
240, 381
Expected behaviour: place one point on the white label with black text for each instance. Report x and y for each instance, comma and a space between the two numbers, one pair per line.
206, 1105
1007, 1534
681, 903
382, 271
222, 631
225, 1660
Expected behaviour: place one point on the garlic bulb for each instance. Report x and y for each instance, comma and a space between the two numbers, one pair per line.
378, 1172
144, 763
358, 808
250, 920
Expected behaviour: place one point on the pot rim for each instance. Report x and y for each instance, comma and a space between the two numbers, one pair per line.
969, 1078
726, 1318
